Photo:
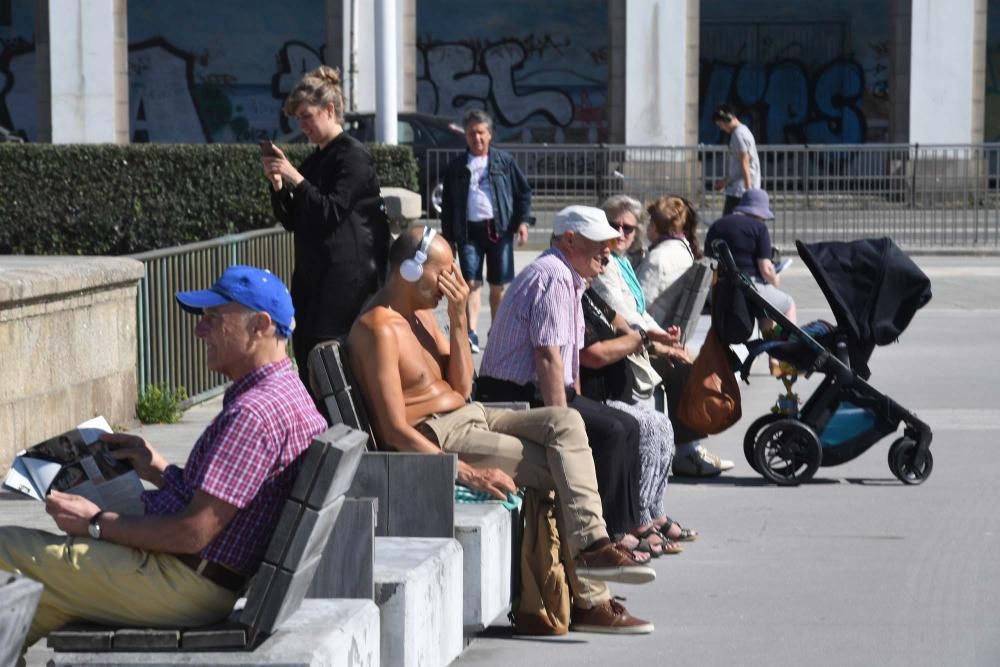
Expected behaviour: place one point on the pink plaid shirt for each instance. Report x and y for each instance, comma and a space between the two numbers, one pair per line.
247, 458
541, 308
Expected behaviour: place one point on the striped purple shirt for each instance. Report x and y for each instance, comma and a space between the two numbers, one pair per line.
541, 308
247, 458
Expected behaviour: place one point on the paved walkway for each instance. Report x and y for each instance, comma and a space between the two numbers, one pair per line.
852, 569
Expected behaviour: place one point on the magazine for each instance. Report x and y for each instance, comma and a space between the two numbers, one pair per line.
78, 462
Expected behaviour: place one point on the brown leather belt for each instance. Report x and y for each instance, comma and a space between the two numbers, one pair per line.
217, 574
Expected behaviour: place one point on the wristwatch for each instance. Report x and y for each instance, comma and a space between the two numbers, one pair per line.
94, 527
648, 344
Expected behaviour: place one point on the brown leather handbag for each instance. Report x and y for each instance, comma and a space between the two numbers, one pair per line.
710, 402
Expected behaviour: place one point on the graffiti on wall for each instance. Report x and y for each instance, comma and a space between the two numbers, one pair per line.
786, 103
798, 78
453, 77
173, 97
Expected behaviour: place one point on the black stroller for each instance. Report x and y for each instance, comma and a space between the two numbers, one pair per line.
874, 289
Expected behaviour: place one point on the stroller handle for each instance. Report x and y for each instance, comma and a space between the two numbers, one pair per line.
721, 250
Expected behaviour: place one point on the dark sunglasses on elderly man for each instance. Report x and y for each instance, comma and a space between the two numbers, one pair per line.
626, 229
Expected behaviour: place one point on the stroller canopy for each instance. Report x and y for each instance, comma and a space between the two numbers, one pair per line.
873, 288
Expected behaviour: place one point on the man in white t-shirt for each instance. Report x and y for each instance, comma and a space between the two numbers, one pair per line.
486, 204
742, 164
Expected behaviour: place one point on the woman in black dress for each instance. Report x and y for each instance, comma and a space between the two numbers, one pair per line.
333, 206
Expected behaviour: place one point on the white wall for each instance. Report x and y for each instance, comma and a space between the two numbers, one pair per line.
941, 71
655, 72
82, 67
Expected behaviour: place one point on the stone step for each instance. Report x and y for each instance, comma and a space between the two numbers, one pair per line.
418, 590
332, 633
484, 531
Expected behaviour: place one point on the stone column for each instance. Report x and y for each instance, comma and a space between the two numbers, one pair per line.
82, 60
944, 101
661, 65
406, 53
653, 89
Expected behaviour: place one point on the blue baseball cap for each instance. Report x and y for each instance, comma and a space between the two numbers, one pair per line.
257, 289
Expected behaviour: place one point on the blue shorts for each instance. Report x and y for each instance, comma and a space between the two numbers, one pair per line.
499, 255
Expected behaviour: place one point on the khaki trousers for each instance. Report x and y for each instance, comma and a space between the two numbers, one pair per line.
107, 583
544, 449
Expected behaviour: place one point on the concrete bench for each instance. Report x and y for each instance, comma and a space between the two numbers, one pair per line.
485, 532
331, 633
416, 496
18, 601
277, 589
415, 491
418, 589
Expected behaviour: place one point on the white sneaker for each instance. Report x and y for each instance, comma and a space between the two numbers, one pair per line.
700, 463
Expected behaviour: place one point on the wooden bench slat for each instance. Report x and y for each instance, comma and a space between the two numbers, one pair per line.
146, 639
422, 495
349, 556
284, 595
335, 470
221, 636
288, 523
309, 538
81, 637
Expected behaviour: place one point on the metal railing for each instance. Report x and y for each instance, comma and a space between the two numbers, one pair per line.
922, 196
168, 352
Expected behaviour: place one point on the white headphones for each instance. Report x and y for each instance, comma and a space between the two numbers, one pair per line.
412, 269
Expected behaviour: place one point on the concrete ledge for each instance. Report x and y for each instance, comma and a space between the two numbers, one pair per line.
401, 205
418, 589
334, 633
484, 531
68, 331
25, 278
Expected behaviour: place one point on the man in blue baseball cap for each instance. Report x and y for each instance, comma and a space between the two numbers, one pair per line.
244, 301
204, 529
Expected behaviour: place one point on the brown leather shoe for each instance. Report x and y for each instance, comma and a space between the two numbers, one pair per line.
609, 617
613, 563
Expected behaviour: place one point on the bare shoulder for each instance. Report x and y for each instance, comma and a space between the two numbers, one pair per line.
373, 324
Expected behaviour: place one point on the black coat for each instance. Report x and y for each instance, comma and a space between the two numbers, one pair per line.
341, 236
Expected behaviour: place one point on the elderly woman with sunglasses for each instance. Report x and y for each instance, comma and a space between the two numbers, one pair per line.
619, 286
627, 294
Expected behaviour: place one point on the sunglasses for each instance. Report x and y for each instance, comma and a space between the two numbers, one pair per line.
626, 229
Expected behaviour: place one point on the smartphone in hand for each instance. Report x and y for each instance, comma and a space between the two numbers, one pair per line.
267, 148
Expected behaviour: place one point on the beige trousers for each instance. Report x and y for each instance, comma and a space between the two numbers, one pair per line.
544, 449
107, 583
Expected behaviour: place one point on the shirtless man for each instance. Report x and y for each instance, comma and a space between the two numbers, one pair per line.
416, 381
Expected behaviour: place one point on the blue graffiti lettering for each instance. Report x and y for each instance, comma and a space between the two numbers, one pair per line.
784, 103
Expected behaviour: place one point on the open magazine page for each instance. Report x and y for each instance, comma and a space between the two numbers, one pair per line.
78, 462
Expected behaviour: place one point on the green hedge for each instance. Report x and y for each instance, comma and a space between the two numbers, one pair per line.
111, 200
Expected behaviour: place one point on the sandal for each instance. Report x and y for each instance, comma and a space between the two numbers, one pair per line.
663, 546
631, 544
686, 534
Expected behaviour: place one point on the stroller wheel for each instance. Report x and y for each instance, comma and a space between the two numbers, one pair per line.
750, 439
788, 452
901, 462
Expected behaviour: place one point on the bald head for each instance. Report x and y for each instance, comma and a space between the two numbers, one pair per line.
407, 244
